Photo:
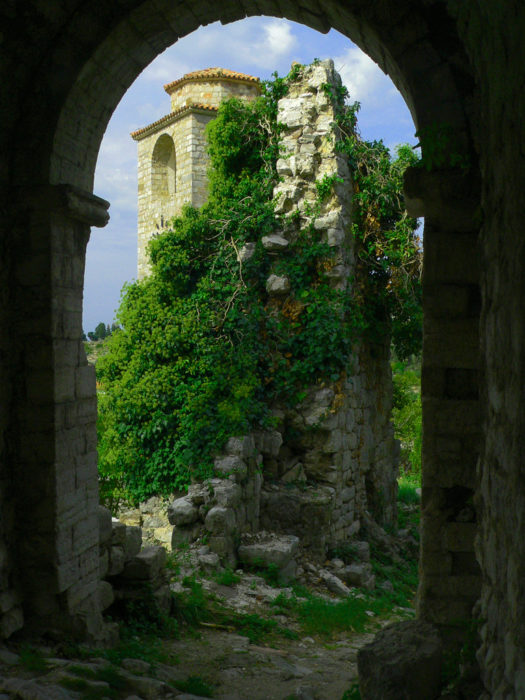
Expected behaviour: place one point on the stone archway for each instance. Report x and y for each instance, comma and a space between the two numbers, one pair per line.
84, 78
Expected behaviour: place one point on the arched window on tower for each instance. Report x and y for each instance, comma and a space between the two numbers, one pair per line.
163, 167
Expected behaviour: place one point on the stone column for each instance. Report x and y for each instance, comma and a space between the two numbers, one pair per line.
53, 457
449, 574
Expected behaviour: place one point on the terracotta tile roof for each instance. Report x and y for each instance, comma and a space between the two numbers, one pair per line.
210, 74
171, 117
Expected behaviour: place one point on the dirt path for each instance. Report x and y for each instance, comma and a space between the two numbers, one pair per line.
305, 669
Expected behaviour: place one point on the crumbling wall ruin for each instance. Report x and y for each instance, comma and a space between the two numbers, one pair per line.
332, 459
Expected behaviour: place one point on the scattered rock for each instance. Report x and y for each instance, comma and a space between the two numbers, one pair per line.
277, 550
8, 657
268, 442
209, 562
274, 243
276, 286
243, 447
357, 575
147, 565
403, 661
220, 521
136, 665
246, 252
182, 512
333, 583
231, 465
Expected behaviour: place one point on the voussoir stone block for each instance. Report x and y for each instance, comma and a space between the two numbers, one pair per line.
403, 661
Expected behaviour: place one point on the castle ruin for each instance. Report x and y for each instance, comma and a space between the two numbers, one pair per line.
66, 65
331, 463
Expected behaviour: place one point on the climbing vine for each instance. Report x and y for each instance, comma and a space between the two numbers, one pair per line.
203, 353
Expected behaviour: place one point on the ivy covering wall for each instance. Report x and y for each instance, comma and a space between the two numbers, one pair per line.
202, 353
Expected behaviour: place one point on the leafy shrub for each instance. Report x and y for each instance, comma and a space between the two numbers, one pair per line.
406, 415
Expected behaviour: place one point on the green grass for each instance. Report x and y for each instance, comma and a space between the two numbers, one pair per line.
352, 693
33, 660
79, 685
269, 572
326, 619
226, 577
345, 551
108, 674
406, 489
195, 685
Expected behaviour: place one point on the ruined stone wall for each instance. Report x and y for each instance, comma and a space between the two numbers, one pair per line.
330, 464
340, 435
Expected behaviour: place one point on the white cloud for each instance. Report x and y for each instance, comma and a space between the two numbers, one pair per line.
278, 41
166, 67
256, 41
363, 78
116, 173
383, 113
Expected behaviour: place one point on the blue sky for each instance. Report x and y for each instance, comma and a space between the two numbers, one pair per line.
256, 45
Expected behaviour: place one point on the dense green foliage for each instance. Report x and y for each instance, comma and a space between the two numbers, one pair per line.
202, 353
407, 419
389, 286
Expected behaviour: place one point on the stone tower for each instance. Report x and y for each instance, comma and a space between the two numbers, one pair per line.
172, 157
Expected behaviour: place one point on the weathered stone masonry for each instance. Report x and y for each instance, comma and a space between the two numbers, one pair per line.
339, 468
172, 157
65, 66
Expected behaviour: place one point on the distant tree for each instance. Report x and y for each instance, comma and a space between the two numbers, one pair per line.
92, 336
100, 331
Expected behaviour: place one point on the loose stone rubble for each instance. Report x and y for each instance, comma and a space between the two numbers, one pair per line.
127, 569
